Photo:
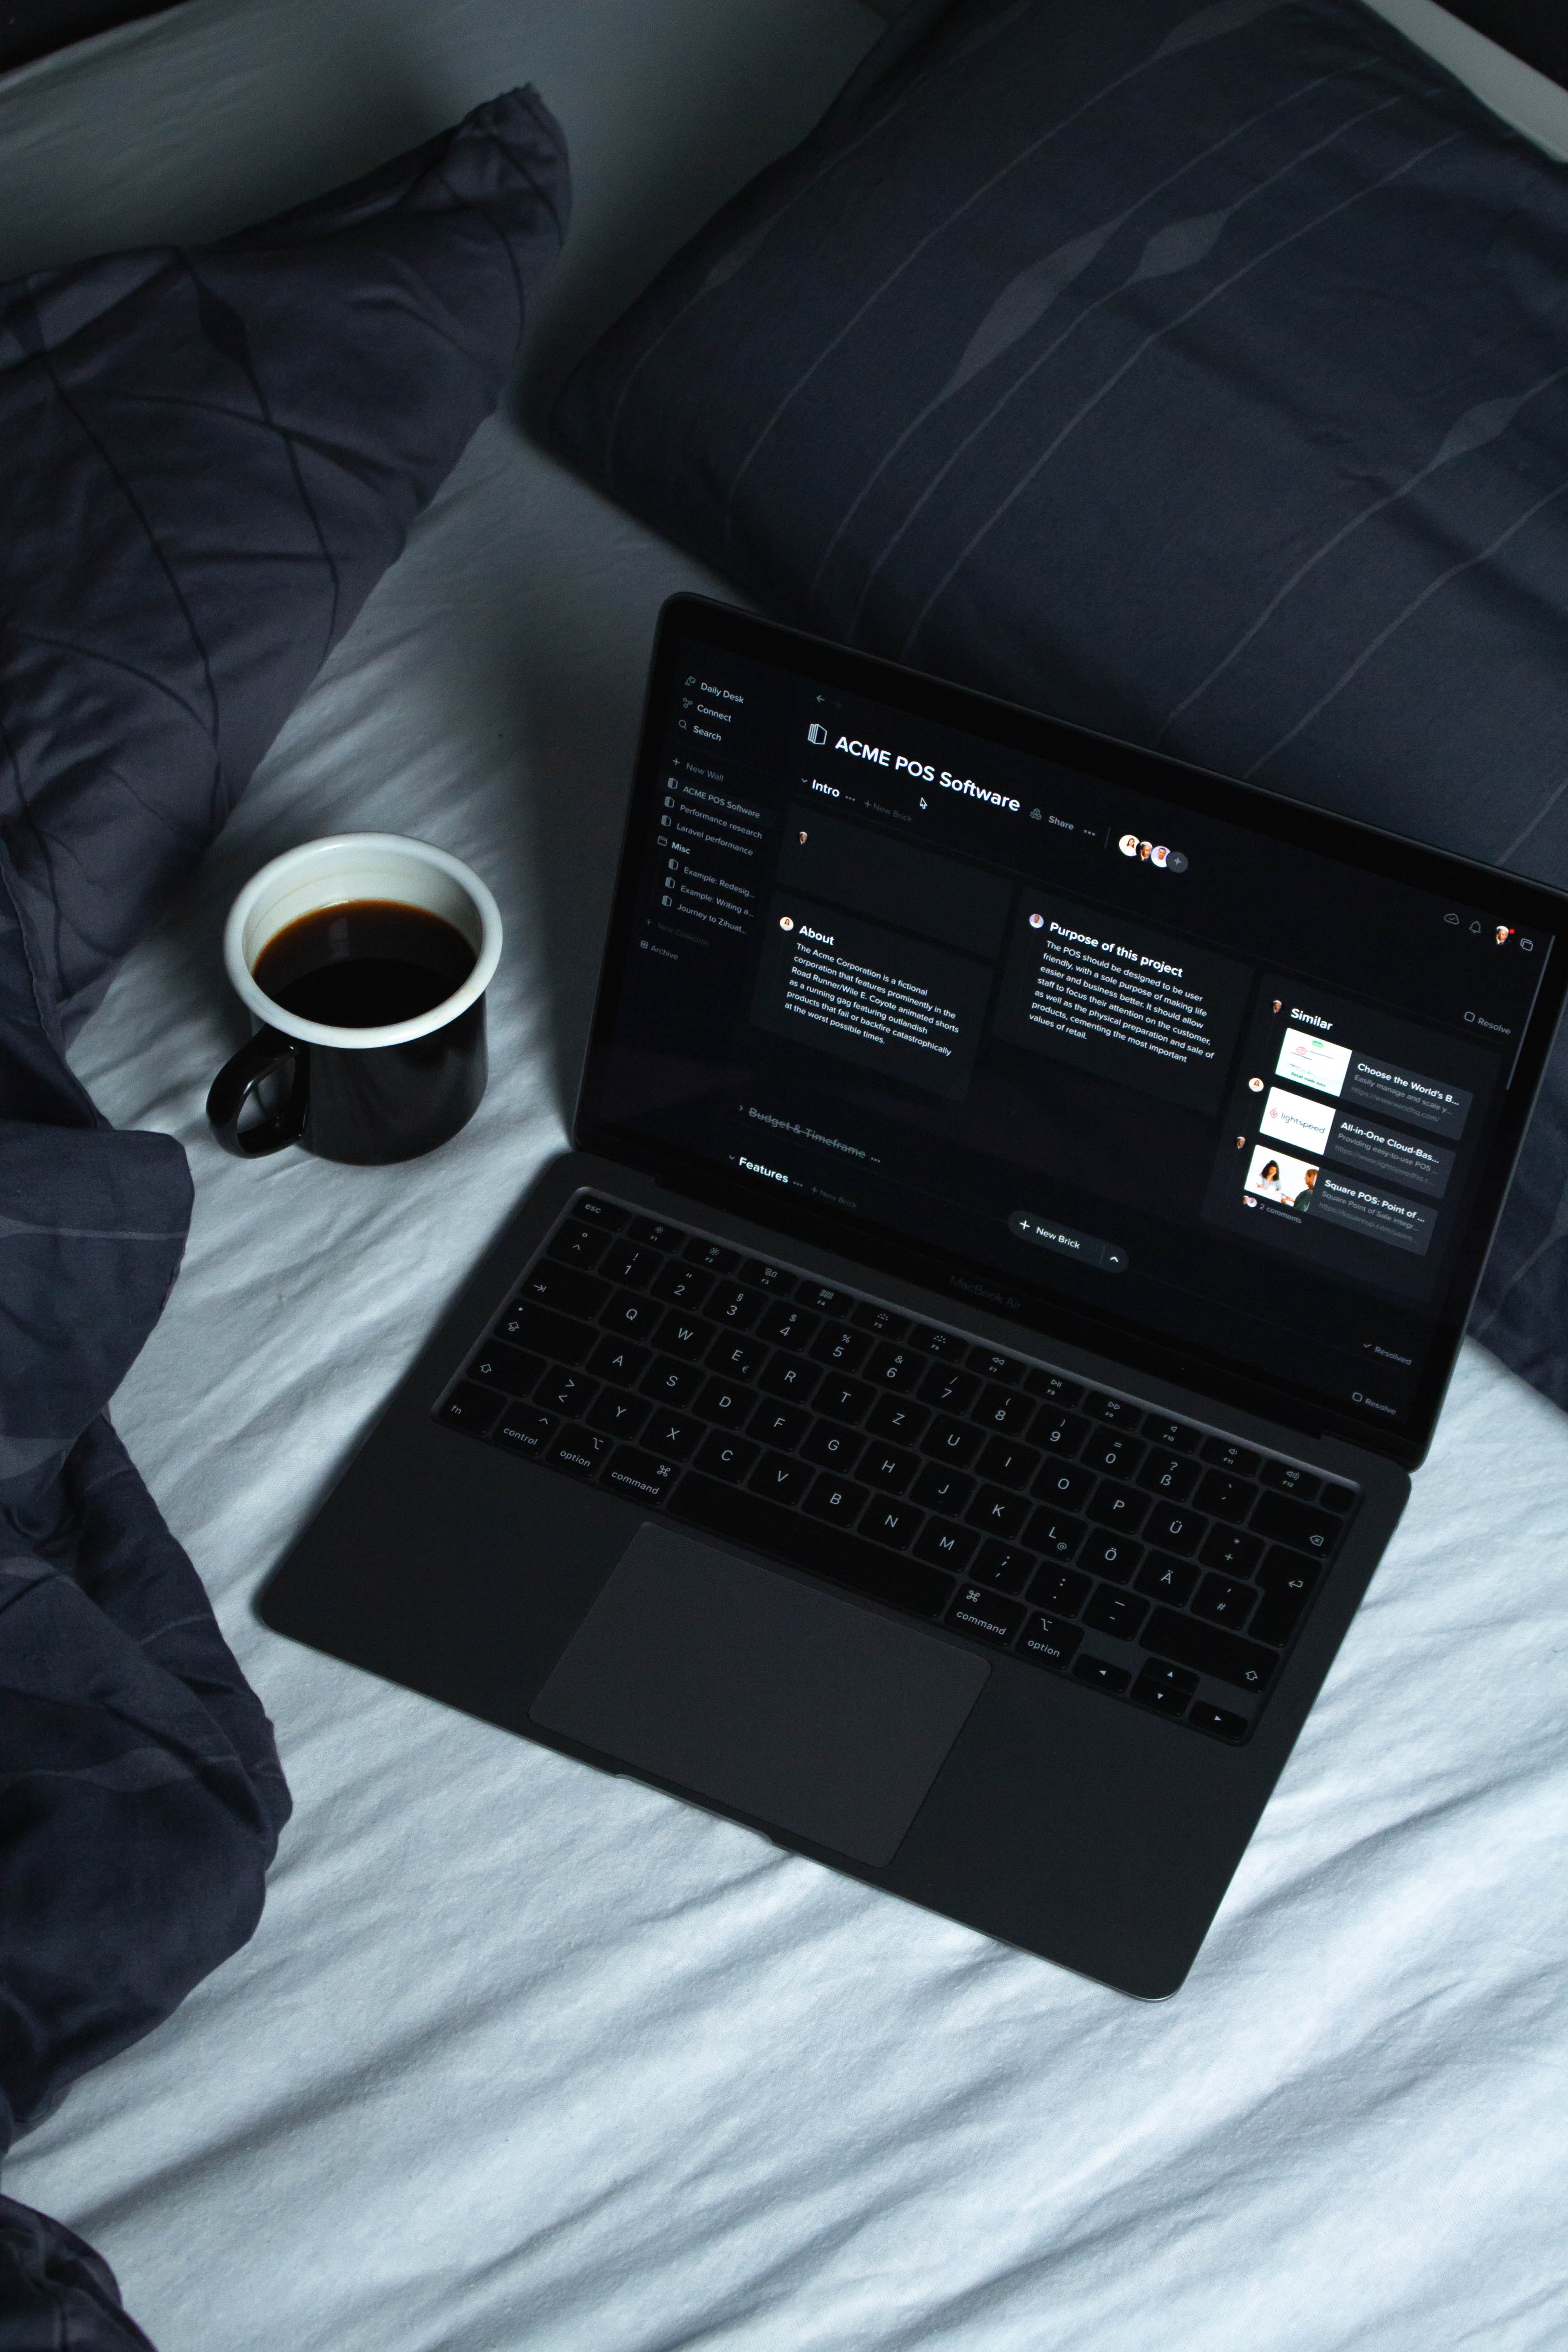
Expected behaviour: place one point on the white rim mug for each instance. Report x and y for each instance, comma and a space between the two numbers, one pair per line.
342, 1103
333, 872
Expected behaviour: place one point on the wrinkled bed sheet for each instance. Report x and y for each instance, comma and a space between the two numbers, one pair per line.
523, 2056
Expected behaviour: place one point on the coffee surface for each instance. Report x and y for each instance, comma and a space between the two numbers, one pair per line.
363, 965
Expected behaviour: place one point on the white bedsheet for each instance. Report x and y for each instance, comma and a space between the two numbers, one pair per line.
521, 2056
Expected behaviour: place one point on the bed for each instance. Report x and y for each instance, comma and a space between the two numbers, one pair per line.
523, 2055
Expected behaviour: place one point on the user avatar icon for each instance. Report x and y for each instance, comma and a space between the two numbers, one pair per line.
1256, 1086
1503, 935
1159, 854
1036, 923
1279, 1003
1145, 850
787, 922
1128, 844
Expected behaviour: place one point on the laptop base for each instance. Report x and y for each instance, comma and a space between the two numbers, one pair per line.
1091, 1833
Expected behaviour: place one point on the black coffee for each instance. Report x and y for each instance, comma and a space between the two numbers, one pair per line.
364, 965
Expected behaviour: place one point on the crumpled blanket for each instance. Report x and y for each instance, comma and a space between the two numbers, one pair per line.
214, 456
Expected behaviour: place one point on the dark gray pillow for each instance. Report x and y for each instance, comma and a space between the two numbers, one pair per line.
208, 458
1200, 375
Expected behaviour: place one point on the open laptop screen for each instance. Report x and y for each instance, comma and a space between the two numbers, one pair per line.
1114, 1047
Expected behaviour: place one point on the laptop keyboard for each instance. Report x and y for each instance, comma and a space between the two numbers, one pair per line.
1146, 1557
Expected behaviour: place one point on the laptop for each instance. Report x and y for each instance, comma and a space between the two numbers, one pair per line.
944, 1412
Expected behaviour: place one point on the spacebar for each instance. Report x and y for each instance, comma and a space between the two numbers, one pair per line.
805, 1543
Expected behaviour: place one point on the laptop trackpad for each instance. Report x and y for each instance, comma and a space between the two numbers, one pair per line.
763, 1694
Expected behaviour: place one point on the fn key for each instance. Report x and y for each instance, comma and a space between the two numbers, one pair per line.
471, 1407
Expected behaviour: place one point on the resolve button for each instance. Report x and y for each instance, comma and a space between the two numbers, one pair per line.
1045, 1234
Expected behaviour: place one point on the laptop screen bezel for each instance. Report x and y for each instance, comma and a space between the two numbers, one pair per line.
1104, 758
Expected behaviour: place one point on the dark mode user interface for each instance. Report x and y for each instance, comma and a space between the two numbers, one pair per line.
1210, 1084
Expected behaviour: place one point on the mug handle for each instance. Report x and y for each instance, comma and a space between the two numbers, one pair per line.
268, 1052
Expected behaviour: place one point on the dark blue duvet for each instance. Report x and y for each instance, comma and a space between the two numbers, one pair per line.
206, 459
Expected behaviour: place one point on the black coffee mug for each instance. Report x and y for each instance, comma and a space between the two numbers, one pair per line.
366, 1096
